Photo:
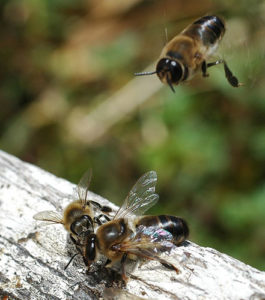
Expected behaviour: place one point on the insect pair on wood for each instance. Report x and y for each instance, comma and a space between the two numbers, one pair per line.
129, 234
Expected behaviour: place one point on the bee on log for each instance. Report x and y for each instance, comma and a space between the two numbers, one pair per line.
188, 52
80, 216
133, 235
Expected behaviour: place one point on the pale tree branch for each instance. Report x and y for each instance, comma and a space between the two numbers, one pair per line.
32, 258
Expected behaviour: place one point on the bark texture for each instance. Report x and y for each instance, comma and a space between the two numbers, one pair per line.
33, 257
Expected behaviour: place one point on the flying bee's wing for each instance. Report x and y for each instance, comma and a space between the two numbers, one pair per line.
49, 216
141, 197
82, 187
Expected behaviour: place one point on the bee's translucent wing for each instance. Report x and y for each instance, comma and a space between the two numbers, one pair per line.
153, 237
83, 185
49, 216
148, 243
141, 197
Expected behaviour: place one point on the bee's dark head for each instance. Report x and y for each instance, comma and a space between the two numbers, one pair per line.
82, 225
169, 71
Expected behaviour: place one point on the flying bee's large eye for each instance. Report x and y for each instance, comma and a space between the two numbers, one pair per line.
175, 71
162, 67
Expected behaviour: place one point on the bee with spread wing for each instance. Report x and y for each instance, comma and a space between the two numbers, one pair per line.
132, 235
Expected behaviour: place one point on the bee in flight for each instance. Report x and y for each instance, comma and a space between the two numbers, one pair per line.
188, 52
130, 234
80, 216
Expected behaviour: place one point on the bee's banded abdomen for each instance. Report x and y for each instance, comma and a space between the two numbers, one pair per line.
175, 225
209, 29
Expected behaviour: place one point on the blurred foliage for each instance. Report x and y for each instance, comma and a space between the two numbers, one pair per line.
61, 59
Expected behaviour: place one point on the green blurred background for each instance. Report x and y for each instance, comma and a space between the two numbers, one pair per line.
62, 63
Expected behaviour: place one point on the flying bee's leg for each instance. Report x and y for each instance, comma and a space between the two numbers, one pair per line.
205, 66
204, 69
123, 272
228, 74
220, 61
230, 77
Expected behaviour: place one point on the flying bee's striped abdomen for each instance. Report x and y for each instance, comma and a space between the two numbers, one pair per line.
176, 226
209, 29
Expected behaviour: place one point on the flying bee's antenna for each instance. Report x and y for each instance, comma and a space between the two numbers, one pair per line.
166, 35
145, 73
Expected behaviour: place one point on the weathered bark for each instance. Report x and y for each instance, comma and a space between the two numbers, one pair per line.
32, 257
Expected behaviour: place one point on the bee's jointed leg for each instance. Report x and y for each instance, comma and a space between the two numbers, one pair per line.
104, 208
108, 262
123, 273
204, 69
101, 219
228, 74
